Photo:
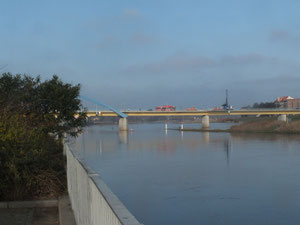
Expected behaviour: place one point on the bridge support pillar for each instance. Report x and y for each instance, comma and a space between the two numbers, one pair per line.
123, 124
282, 117
205, 122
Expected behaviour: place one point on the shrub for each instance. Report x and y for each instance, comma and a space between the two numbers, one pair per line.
29, 158
34, 115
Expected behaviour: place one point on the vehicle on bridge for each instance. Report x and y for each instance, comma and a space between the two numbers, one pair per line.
165, 108
191, 109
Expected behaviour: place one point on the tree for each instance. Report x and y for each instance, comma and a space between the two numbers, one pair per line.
32, 115
31, 162
265, 105
56, 104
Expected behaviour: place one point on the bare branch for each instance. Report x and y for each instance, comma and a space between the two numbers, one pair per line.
2, 67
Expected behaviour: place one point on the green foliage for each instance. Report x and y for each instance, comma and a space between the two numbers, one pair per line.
294, 117
33, 117
56, 104
27, 153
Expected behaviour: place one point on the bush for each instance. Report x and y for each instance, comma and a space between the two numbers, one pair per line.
30, 160
33, 117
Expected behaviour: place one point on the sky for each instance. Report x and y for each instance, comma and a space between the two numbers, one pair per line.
141, 54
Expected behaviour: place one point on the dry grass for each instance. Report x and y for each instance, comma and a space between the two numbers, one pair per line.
48, 185
268, 126
45, 185
293, 127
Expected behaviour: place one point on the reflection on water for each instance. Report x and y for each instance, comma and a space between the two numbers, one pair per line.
227, 147
178, 177
123, 135
205, 136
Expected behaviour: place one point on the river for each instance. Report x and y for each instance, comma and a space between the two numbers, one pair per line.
191, 178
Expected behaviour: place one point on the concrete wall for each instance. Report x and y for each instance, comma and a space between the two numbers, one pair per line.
92, 201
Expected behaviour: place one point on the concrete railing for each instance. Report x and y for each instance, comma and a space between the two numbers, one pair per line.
93, 203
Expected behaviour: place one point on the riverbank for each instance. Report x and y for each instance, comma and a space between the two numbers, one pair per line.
268, 126
260, 126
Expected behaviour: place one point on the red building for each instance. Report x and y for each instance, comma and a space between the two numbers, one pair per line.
287, 102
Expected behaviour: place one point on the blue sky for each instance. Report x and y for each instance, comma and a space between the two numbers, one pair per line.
139, 54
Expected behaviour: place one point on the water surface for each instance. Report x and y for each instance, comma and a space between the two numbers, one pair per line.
192, 178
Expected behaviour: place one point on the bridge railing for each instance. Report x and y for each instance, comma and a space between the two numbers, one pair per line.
93, 203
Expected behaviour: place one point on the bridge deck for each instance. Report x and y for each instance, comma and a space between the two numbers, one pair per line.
198, 113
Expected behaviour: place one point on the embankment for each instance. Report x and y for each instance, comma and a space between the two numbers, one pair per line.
260, 126
268, 126
92, 201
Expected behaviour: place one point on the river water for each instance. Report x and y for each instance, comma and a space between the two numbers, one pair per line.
192, 178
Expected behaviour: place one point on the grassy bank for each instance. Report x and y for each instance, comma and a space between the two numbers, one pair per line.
268, 126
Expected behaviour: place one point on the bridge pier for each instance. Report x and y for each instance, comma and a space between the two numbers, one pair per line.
282, 117
205, 122
123, 124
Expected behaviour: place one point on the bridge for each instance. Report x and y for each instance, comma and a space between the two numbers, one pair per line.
123, 124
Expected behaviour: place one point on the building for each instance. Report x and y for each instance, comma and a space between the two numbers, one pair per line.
165, 108
287, 102
293, 103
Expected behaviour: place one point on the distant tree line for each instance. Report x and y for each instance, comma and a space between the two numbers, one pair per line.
34, 116
265, 105
261, 105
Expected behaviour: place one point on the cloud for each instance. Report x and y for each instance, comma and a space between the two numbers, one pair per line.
107, 41
136, 39
176, 62
249, 77
141, 38
283, 36
184, 62
251, 58
269, 88
282, 80
131, 14
279, 35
